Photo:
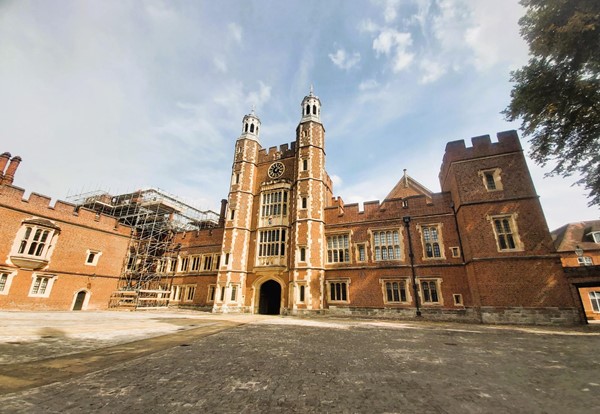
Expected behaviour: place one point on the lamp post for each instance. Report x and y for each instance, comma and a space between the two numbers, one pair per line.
406, 220
578, 251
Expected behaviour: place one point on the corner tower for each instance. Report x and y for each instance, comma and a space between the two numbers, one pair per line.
311, 196
233, 266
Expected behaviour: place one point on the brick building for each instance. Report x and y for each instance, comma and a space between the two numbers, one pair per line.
55, 257
479, 250
579, 247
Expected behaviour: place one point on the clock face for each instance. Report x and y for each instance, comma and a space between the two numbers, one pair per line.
276, 169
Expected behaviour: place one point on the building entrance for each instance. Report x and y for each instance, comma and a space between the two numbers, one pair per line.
270, 298
79, 300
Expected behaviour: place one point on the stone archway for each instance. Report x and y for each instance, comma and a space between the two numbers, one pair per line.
79, 300
269, 302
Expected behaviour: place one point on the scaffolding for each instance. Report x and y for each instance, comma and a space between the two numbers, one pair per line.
155, 217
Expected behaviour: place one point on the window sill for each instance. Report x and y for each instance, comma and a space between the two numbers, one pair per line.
28, 262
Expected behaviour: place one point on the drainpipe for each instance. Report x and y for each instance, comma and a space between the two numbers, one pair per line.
460, 245
406, 220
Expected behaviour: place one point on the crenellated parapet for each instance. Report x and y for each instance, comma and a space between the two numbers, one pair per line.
211, 238
482, 146
275, 153
12, 197
415, 206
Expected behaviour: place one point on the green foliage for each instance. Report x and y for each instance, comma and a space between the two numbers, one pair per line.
557, 94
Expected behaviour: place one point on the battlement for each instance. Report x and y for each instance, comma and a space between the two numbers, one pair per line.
396, 208
275, 153
211, 239
12, 197
482, 146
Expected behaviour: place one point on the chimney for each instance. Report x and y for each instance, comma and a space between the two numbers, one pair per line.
9, 175
3, 161
222, 213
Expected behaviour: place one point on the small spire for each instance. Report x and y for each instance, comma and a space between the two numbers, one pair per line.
311, 93
252, 111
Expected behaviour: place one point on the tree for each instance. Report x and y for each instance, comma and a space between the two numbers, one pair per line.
557, 94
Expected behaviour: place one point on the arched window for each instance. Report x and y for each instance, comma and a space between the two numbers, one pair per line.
307, 109
251, 127
246, 128
314, 109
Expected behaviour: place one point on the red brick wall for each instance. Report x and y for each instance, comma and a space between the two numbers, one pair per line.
79, 231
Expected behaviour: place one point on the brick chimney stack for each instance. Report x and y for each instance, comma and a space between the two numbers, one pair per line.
3, 161
9, 175
222, 213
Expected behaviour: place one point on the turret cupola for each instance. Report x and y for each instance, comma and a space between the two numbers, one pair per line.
311, 108
250, 126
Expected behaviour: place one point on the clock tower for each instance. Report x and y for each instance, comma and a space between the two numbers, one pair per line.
272, 254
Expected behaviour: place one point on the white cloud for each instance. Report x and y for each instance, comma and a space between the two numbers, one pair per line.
394, 43
336, 180
493, 35
260, 97
481, 33
159, 10
343, 60
431, 71
368, 85
236, 31
368, 26
390, 10
220, 64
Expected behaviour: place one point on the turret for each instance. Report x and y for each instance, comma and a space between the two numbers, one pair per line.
250, 126
311, 108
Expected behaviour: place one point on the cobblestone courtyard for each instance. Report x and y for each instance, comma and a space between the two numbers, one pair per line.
248, 364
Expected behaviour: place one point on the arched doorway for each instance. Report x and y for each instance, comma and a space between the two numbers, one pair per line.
79, 300
270, 298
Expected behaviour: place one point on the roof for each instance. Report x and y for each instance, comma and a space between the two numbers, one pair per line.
571, 235
406, 187
42, 223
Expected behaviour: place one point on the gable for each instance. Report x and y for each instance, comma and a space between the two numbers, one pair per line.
408, 187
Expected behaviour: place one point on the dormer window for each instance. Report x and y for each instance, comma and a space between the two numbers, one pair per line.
595, 236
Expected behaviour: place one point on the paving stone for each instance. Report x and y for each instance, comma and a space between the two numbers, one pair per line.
342, 366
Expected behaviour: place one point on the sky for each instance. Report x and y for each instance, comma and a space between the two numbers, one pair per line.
118, 95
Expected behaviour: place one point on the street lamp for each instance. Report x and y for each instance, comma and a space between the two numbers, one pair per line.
406, 220
578, 251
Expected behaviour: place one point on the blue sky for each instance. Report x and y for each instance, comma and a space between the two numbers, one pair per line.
120, 95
